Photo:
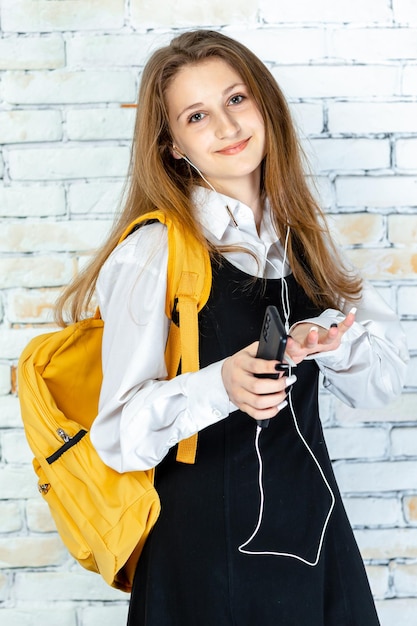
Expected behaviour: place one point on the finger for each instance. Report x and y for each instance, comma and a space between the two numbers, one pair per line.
312, 338
263, 414
332, 335
344, 325
269, 386
349, 319
294, 350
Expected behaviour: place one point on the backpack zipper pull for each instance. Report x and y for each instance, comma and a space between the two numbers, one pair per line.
63, 435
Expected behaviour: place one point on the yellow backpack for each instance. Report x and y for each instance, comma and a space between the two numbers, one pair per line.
104, 517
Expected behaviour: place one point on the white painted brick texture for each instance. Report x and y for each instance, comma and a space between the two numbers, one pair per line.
349, 71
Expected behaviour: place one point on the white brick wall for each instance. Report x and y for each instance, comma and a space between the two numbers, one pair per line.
349, 71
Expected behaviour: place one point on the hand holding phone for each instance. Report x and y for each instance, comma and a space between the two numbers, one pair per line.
272, 344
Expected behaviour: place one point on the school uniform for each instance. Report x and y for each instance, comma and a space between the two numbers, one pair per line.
304, 567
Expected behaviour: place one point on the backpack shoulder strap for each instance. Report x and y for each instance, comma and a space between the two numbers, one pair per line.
188, 288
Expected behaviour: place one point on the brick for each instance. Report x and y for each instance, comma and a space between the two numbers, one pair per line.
379, 578
405, 11
185, 14
32, 200
378, 476
409, 82
99, 615
376, 191
12, 342
15, 448
331, 81
10, 517
90, 124
76, 235
65, 586
34, 616
387, 543
16, 483
406, 154
308, 118
372, 117
404, 441
348, 154
68, 163
48, 270
373, 511
68, 87
36, 551
4, 588
389, 264
321, 188
358, 228
326, 11
10, 412
410, 509
39, 519
24, 126
351, 443
5, 380
395, 611
405, 579
53, 15
407, 300
101, 198
373, 45
32, 53
284, 45
121, 50
402, 409
31, 306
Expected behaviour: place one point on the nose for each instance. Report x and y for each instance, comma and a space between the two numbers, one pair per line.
226, 125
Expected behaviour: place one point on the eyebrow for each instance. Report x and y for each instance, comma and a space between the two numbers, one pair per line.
197, 105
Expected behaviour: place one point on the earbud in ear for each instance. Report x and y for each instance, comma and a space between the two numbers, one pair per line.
177, 151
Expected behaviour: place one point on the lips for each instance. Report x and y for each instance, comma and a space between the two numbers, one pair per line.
235, 148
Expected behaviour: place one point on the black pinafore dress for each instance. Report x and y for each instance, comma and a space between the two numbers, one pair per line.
191, 572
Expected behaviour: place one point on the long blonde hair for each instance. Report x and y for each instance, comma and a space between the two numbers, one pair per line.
158, 180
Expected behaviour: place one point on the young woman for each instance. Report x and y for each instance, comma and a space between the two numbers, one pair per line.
214, 147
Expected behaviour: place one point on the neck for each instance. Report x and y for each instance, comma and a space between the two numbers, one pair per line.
247, 192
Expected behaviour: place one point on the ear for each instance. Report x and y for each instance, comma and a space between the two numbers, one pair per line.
176, 152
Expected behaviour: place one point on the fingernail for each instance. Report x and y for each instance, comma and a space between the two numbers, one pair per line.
290, 380
280, 367
282, 405
353, 310
334, 325
314, 328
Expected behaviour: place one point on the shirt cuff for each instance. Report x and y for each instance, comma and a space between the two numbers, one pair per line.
207, 396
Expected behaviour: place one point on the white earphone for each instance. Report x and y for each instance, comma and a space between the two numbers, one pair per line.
286, 309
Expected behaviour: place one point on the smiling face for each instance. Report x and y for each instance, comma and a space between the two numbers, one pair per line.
216, 123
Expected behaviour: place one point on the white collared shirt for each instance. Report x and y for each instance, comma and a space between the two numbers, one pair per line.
141, 414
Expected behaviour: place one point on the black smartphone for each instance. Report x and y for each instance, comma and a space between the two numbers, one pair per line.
272, 344
273, 338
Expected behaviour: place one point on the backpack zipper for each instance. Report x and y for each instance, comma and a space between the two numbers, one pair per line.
64, 436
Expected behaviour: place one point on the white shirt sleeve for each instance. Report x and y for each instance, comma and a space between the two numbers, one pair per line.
141, 414
368, 369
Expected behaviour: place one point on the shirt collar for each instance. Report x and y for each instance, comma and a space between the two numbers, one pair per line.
211, 211
214, 217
